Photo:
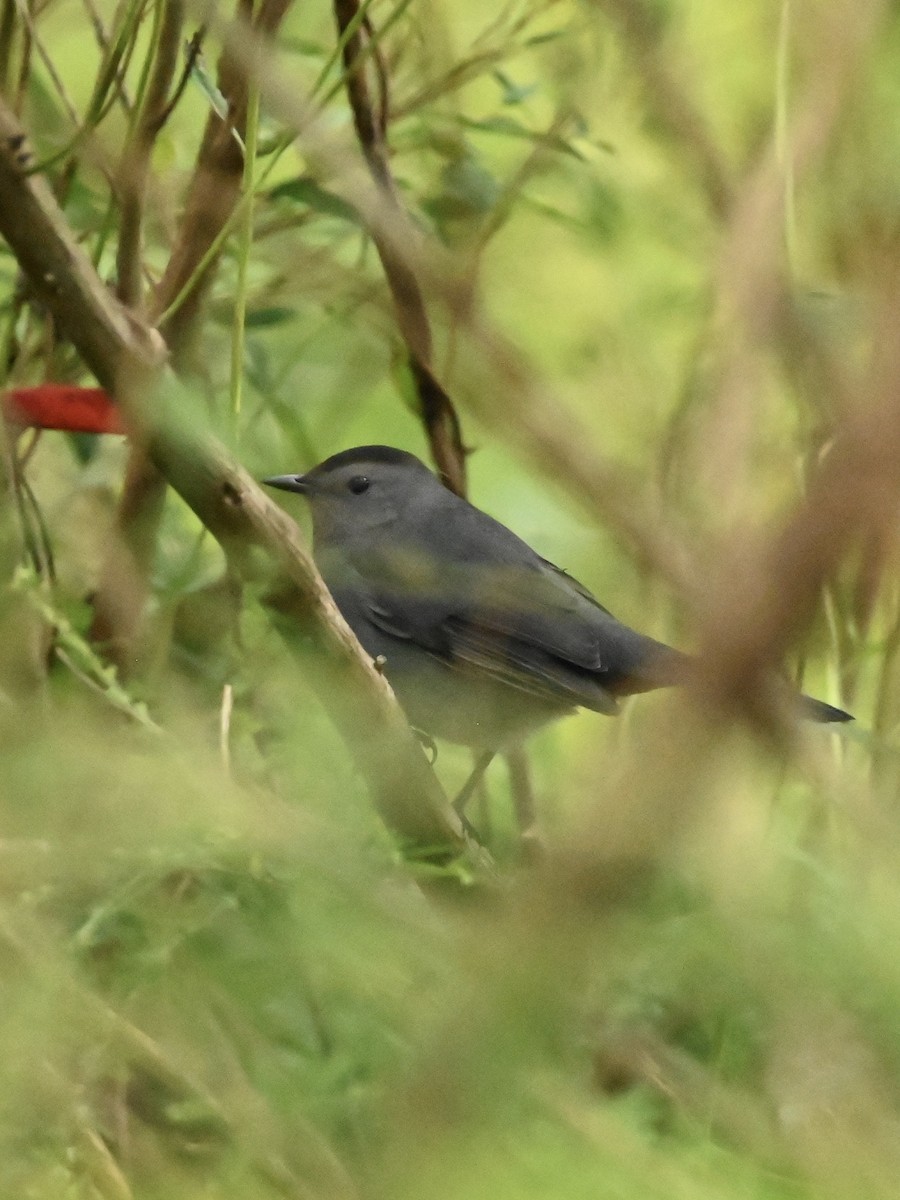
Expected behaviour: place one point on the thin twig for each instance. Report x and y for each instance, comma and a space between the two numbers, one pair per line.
245, 244
438, 413
192, 54
225, 710
135, 166
103, 41
7, 41
49, 65
21, 82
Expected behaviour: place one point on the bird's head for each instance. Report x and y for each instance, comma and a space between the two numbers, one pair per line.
360, 490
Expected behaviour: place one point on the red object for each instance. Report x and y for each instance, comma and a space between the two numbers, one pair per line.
63, 406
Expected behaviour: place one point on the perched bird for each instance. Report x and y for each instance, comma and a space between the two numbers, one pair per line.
482, 640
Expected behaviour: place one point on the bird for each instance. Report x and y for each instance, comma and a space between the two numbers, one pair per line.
482, 640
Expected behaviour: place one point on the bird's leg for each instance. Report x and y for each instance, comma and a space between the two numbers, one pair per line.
482, 762
429, 745
523, 803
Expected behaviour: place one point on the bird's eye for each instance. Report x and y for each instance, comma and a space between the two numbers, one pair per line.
358, 484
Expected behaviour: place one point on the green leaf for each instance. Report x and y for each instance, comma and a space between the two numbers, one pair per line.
263, 318
508, 126
303, 46
207, 85
605, 214
468, 190
304, 190
541, 39
514, 93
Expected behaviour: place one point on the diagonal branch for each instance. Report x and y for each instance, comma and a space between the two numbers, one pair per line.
128, 360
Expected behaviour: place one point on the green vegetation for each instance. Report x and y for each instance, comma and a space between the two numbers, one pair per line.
657, 245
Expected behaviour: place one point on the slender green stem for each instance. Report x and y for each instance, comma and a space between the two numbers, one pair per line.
244, 248
80, 657
237, 214
783, 133
115, 61
107, 227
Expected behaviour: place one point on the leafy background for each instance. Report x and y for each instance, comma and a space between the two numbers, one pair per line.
221, 977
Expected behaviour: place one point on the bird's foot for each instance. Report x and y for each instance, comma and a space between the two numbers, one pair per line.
428, 743
465, 795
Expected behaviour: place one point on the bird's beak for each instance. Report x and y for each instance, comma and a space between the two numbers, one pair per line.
289, 483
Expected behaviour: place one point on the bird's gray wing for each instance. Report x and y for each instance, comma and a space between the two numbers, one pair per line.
523, 623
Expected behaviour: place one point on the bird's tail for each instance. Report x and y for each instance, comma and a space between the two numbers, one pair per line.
662, 666
818, 710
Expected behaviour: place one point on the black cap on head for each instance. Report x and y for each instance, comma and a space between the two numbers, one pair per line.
367, 454
355, 456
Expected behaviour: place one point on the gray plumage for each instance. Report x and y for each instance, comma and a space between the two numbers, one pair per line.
483, 640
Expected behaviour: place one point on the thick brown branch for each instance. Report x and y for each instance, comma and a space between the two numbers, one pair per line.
128, 361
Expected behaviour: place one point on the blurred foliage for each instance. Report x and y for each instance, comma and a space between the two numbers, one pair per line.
219, 977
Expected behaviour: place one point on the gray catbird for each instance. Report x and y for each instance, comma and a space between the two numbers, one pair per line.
482, 639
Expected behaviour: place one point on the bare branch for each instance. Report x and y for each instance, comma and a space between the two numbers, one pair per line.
436, 409
7, 40
128, 360
136, 159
